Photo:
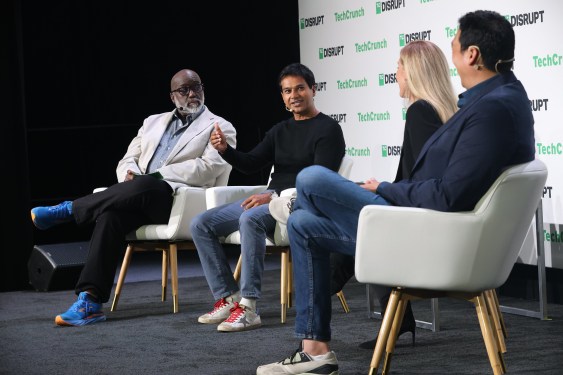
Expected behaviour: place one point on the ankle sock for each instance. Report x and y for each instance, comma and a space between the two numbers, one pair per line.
321, 356
249, 302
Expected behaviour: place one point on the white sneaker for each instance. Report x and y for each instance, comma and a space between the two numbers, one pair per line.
241, 319
281, 207
221, 311
301, 363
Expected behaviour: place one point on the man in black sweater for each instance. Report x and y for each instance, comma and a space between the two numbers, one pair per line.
308, 138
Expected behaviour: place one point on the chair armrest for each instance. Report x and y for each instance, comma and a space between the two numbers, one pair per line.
219, 195
288, 192
188, 202
415, 247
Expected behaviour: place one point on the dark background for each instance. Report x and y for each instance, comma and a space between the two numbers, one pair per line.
79, 77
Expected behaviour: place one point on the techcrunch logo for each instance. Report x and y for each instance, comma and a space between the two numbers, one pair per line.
320, 86
550, 60
349, 14
539, 104
340, 117
351, 84
311, 21
406, 38
450, 32
352, 151
387, 151
385, 79
549, 149
370, 46
331, 51
404, 111
385, 6
552, 236
524, 19
374, 116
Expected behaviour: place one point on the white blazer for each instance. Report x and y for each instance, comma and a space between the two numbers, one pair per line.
192, 162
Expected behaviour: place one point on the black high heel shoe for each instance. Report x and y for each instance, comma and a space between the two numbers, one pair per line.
408, 324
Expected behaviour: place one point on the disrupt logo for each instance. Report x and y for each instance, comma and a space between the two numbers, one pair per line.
321, 86
524, 19
330, 51
539, 104
340, 117
349, 14
353, 151
549, 149
385, 79
547, 190
387, 151
370, 46
553, 59
385, 6
373, 116
351, 83
406, 38
311, 21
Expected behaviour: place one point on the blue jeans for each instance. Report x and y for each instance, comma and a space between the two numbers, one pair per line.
254, 225
325, 219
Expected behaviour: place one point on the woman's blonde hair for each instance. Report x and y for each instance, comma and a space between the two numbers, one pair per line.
428, 77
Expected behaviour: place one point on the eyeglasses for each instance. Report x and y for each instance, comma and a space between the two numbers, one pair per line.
185, 90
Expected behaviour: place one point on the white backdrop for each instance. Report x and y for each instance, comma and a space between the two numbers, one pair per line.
352, 47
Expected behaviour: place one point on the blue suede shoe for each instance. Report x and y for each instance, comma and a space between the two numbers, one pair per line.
46, 217
83, 311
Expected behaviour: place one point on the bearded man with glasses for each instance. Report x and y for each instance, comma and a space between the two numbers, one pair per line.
170, 150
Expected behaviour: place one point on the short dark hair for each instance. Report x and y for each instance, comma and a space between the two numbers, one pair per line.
494, 36
299, 70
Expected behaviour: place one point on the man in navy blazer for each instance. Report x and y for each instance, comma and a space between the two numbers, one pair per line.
493, 129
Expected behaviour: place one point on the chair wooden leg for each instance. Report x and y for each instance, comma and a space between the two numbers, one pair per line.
284, 274
343, 302
121, 278
495, 320
174, 274
501, 317
164, 283
385, 330
289, 279
236, 274
393, 335
495, 357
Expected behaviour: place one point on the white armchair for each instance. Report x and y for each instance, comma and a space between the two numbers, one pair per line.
217, 196
168, 238
422, 253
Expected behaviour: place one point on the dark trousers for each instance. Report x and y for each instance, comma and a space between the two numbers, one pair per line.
117, 211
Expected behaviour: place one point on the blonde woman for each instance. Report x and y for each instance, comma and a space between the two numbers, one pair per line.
424, 82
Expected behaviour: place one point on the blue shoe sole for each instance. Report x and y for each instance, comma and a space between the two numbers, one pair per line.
79, 322
45, 224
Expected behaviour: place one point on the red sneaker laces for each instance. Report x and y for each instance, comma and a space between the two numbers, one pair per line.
236, 312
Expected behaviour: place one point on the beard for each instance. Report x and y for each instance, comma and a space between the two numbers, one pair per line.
190, 108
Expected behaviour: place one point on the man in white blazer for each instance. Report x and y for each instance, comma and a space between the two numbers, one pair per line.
170, 150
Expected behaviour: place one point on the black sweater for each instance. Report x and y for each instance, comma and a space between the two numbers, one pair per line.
291, 146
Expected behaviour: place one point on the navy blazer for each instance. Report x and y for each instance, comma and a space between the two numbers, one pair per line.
462, 159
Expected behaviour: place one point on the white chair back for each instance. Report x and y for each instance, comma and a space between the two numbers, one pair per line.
462, 251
